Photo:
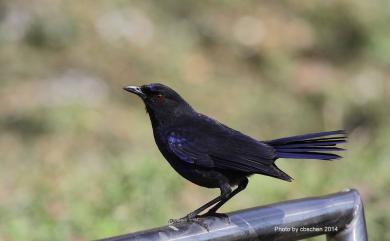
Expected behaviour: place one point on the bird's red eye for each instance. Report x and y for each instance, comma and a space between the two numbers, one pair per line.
159, 98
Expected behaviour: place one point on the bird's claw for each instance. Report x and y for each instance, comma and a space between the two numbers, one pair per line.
199, 219
214, 214
217, 215
177, 221
187, 219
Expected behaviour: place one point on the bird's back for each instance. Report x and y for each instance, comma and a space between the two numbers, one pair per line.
201, 141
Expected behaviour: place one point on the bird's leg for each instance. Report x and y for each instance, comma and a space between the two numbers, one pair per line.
192, 215
213, 211
225, 192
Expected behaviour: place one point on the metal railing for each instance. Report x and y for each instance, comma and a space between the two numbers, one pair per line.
340, 216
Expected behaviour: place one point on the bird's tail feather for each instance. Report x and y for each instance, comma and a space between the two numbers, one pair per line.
276, 172
310, 146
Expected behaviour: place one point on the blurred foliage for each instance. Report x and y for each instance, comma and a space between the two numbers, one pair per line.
78, 160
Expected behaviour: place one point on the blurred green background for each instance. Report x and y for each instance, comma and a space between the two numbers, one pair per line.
78, 159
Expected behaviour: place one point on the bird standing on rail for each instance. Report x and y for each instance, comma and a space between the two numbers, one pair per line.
212, 155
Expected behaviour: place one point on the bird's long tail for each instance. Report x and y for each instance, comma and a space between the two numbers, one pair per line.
310, 146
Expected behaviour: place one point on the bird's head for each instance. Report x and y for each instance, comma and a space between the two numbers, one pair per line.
159, 99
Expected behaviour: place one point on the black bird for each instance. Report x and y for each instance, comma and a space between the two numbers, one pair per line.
210, 154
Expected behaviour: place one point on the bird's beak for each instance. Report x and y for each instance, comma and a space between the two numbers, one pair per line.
135, 90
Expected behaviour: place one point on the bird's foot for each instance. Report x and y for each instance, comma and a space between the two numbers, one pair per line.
217, 215
190, 219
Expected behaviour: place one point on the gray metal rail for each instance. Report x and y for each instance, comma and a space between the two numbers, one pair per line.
340, 216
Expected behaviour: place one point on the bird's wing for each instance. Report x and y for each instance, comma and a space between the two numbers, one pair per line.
214, 145
188, 150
